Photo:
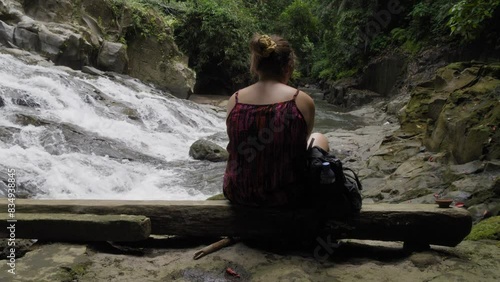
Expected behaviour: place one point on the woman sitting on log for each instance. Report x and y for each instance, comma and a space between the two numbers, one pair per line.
269, 124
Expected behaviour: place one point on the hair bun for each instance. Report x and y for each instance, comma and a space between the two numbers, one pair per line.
267, 45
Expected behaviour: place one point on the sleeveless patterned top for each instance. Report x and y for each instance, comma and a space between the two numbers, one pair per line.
267, 154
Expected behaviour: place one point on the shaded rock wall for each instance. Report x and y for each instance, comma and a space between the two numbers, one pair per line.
458, 111
381, 76
110, 35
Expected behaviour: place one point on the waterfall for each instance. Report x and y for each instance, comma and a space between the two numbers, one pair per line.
72, 135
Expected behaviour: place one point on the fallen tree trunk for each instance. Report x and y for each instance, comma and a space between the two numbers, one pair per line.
410, 223
75, 227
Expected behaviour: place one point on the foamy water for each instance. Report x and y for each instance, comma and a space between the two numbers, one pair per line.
98, 110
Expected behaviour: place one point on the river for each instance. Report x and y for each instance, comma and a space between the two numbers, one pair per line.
72, 135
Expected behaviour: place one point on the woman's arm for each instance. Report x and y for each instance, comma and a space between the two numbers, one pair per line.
306, 106
230, 104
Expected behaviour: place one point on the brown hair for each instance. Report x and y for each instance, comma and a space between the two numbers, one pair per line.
271, 55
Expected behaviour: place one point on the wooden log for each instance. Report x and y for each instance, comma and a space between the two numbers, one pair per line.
75, 227
411, 223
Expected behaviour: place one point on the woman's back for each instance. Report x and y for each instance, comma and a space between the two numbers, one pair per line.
268, 125
267, 147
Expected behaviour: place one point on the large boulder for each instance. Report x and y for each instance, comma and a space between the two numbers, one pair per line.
458, 111
161, 63
26, 35
207, 150
60, 43
113, 57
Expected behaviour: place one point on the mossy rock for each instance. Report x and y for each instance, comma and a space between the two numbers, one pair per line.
486, 229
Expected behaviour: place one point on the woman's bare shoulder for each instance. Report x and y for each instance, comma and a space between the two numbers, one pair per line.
305, 99
231, 103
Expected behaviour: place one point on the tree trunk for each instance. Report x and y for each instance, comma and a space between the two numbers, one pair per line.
411, 223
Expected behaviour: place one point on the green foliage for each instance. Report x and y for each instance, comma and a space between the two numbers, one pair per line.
301, 28
266, 14
147, 19
468, 17
342, 43
420, 17
399, 35
215, 35
412, 46
327, 35
486, 229
298, 21
380, 43
347, 73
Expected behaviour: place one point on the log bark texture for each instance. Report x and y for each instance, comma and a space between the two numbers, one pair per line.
411, 223
75, 227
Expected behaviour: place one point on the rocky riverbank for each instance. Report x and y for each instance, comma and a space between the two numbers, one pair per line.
436, 137
171, 259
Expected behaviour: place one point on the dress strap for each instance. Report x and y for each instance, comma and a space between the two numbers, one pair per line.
296, 94
236, 96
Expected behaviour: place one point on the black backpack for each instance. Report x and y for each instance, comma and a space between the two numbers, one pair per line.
341, 198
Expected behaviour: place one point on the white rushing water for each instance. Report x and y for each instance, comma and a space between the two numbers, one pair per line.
57, 151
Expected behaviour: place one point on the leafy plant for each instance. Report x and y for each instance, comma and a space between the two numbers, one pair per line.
468, 17
301, 28
215, 34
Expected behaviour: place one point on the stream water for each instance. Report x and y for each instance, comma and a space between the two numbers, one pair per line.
72, 135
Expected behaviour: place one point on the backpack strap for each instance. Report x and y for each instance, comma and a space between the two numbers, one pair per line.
309, 147
236, 96
296, 94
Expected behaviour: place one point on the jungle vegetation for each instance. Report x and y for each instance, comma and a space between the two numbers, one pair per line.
332, 38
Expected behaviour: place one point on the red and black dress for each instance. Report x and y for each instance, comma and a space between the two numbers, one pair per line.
267, 154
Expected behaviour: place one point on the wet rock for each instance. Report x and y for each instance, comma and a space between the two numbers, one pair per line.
7, 133
92, 70
207, 150
78, 140
30, 120
132, 114
26, 102
113, 57
4, 189
26, 36
23, 189
50, 43
6, 34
